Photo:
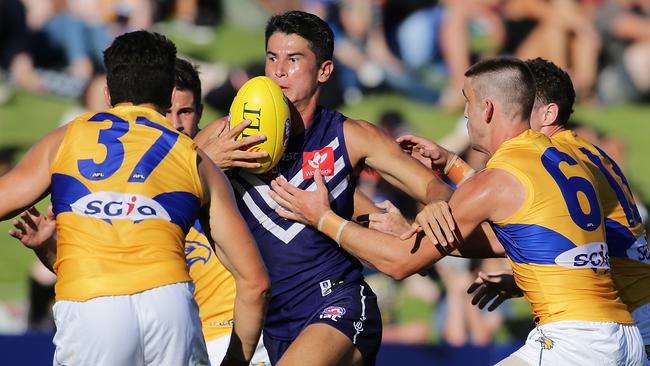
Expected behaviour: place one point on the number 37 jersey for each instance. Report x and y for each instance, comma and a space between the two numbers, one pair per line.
556, 241
125, 191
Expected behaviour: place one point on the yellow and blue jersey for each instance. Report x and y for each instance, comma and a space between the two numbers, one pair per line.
555, 241
125, 191
214, 286
626, 236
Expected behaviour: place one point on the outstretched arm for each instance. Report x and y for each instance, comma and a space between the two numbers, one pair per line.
30, 180
479, 199
368, 144
241, 258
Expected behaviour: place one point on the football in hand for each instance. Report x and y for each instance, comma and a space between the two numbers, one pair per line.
261, 101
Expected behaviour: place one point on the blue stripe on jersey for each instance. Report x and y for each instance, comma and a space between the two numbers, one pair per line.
619, 238
65, 190
181, 207
532, 244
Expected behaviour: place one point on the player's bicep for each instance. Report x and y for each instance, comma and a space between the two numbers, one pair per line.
472, 205
383, 154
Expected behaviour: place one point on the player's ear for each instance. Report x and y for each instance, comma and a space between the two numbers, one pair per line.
488, 110
550, 114
325, 71
107, 96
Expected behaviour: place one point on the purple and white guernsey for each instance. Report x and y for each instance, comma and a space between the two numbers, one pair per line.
304, 265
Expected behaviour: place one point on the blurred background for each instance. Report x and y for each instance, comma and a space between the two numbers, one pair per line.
399, 64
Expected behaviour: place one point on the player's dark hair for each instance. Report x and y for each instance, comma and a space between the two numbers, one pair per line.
140, 69
308, 26
506, 79
553, 85
187, 79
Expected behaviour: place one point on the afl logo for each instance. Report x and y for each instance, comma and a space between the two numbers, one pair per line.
116, 205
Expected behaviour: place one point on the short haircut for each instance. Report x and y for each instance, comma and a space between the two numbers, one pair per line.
308, 26
507, 80
187, 79
553, 85
140, 69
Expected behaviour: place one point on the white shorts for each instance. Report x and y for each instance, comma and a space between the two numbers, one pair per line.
217, 351
160, 326
642, 318
583, 343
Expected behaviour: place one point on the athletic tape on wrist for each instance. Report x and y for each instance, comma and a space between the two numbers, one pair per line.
458, 170
332, 225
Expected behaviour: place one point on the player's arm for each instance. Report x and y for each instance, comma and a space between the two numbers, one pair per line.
368, 144
395, 257
219, 143
232, 237
30, 180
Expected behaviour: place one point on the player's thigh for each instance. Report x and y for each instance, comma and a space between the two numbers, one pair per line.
100, 331
171, 326
321, 345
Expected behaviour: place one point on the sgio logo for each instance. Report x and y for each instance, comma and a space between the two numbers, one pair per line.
115, 205
592, 255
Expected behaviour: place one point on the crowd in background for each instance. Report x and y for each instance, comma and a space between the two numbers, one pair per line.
418, 48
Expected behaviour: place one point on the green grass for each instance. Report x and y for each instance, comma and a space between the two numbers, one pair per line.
28, 117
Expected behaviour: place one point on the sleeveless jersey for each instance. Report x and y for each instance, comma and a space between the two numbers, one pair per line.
555, 241
303, 264
626, 236
214, 286
125, 191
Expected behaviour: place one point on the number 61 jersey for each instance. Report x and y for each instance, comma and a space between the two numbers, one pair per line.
555, 241
626, 237
125, 191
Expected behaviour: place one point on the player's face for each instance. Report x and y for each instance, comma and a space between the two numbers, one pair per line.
473, 114
183, 114
292, 64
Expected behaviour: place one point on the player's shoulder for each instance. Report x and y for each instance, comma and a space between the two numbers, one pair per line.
362, 130
492, 181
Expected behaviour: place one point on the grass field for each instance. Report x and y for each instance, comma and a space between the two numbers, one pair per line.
28, 117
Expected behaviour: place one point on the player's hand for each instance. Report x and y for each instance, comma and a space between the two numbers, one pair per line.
430, 154
496, 287
300, 205
227, 152
33, 229
391, 221
436, 221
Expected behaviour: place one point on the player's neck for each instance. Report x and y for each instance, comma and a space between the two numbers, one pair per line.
143, 105
552, 130
307, 109
512, 129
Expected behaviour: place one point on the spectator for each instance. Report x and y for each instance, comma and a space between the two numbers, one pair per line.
625, 27
560, 31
